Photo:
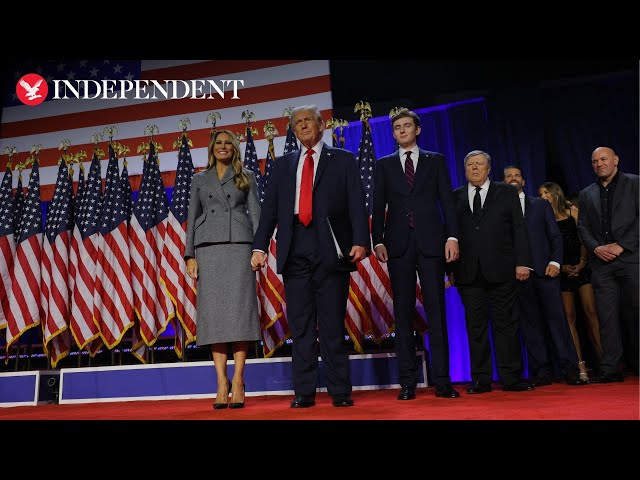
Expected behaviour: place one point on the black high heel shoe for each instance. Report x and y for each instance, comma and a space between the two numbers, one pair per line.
237, 404
220, 406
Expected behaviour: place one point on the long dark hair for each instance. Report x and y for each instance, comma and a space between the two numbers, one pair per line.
558, 200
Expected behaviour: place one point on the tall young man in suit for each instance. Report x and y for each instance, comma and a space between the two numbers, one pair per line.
418, 233
306, 188
608, 227
494, 253
539, 303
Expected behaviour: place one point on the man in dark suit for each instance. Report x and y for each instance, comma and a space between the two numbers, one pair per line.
415, 188
313, 195
493, 250
539, 303
608, 227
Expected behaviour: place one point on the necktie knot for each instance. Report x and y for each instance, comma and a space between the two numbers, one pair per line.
310, 152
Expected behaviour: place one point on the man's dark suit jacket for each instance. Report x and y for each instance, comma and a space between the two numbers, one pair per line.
337, 191
431, 201
545, 238
494, 242
624, 218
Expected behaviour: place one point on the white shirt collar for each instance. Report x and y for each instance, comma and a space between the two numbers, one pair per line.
484, 186
415, 152
317, 148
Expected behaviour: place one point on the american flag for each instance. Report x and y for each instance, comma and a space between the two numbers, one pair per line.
55, 268
19, 206
251, 156
269, 87
139, 348
7, 244
180, 287
25, 308
268, 165
84, 252
147, 233
113, 294
270, 289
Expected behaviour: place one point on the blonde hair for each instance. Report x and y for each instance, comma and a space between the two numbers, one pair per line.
240, 178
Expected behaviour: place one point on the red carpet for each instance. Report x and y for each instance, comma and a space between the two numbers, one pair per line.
614, 401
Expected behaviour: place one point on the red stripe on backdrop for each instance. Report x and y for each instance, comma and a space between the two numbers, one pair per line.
248, 96
210, 69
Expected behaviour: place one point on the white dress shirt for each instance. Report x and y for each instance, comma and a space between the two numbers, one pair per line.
471, 192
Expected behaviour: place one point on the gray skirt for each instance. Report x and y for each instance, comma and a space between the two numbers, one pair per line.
227, 305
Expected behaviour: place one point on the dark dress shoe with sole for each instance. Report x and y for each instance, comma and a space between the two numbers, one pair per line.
607, 377
342, 401
478, 387
407, 393
518, 387
541, 381
302, 401
447, 391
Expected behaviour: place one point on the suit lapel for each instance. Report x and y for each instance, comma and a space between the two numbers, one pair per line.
594, 194
464, 199
621, 188
325, 156
490, 198
293, 170
398, 171
215, 183
421, 169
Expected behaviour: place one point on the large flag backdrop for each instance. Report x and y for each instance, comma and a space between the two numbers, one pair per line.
269, 88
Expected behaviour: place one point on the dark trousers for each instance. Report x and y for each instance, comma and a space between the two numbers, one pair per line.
615, 286
402, 273
316, 308
476, 298
541, 311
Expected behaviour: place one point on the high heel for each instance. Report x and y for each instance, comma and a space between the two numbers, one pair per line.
220, 406
584, 376
237, 404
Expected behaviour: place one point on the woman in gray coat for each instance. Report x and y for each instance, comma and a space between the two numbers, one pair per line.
223, 216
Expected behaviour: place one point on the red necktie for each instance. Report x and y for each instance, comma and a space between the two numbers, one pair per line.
306, 189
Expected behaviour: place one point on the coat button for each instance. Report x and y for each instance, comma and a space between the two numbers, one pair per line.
228, 195
477, 228
210, 196
213, 211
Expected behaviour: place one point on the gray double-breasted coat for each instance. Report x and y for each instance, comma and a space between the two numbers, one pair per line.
220, 227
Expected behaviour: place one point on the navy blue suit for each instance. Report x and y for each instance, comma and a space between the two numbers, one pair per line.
539, 299
419, 248
316, 282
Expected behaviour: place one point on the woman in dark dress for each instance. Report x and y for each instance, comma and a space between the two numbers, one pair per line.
575, 274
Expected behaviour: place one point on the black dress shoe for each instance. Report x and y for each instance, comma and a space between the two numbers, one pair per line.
477, 387
541, 381
518, 387
407, 393
447, 391
236, 404
302, 401
342, 401
607, 377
